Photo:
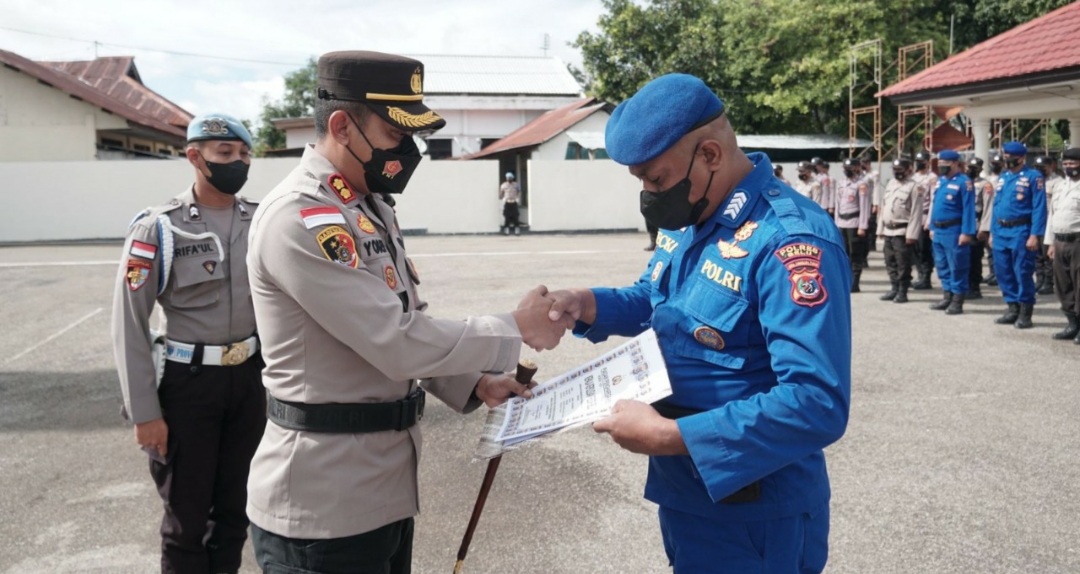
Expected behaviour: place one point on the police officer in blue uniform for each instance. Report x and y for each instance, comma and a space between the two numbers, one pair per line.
953, 226
748, 294
1019, 222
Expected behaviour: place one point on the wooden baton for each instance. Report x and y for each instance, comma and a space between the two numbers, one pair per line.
525, 371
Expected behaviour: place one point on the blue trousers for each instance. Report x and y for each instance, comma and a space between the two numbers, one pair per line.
793, 545
1015, 268
953, 261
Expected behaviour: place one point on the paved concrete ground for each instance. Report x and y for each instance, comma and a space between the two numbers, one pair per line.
961, 454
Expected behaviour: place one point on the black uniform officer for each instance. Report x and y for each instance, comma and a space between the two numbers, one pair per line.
924, 250
1044, 265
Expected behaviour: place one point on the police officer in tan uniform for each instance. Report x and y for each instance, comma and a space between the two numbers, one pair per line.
807, 185
194, 393
851, 211
899, 225
333, 484
924, 252
1063, 236
984, 195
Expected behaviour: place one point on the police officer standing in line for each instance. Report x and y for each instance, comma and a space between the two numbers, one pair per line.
201, 424
899, 225
924, 251
852, 216
873, 181
1044, 265
333, 485
510, 195
750, 306
953, 226
984, 192
997, 165
828, 186
807, 185
1019, 223
1063, 235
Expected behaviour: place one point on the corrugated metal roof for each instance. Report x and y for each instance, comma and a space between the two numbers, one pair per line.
798, 142
1044, 44
587, 140
543, 128
503, 75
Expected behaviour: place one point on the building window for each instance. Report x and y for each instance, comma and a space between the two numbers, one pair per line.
111, 143
141, 147
575, 151
440, 148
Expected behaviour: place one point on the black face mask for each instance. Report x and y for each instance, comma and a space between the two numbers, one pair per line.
1014, 162
850, 173
670, 209
388, 170
228, 178
804, 176
900, 175
1072, 172
920, 165
944, 170
973, 172
995, 168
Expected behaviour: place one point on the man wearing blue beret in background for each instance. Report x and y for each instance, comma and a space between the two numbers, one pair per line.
1018, 224
194, 393
748, 294
952, 229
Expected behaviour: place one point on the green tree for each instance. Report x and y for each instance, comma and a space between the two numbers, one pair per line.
299, 101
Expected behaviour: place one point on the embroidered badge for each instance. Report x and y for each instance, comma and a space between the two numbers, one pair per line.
338, 185
416, 82
803, 262
137, 272
338, 246
209, 266
391, 278
709, 337
391, 168
316, 216
657, 269
735, 205
746, 231
144, 250
731, 250
365, 224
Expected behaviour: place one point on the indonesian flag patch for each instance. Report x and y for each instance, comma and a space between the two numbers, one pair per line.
144, 250
803, 262
316, 216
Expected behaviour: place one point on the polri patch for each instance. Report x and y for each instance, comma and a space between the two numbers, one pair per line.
803, 262
709, 337
340, 188
391, 277
365, 224
137, 273
338, 246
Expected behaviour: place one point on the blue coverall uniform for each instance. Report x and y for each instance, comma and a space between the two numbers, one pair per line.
952, 214
1019, 212
753, 315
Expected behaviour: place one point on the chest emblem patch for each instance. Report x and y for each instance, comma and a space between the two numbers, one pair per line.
657, 269
391, 277
137, 272
210, 266
338, 246
803, 262
365, 224
709, 337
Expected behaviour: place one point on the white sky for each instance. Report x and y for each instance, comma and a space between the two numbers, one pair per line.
286, 32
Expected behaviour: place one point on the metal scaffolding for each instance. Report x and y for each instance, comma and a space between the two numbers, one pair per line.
867, 72
910, 60
863, 56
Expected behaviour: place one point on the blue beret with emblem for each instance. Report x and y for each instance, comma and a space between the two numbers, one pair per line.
658, 115
948, 155
217, 127
1014, 148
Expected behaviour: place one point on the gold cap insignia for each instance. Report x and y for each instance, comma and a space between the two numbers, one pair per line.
412, 120
417, 82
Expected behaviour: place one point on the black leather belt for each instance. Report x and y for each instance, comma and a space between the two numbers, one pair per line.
945, 223
1067, 237
848, 215
1014, 222
748, 493
347, 418
902, 225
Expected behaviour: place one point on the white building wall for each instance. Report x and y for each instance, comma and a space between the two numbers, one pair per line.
443, 196
42, 123
299, 137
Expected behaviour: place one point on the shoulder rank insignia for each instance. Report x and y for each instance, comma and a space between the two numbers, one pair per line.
731, 250
803, 262
338, 246
340, 188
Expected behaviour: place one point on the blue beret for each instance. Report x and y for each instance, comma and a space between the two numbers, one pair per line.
658, 115
1014, 148
217, 127
948, 155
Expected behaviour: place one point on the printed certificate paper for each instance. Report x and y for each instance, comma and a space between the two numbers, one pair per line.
634, 370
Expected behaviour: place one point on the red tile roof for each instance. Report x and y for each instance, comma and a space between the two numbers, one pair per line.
1042, 45
948, 137
118, 77
543, 128
78, 89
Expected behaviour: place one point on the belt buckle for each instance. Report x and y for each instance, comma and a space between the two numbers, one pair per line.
234, 354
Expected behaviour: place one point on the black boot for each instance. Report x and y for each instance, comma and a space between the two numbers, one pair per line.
956, 306
1047, 286
974, 293
923, 283
891, 293
901, 295
1024, 320
1010, 316
855, 275
1071, 330
946, 300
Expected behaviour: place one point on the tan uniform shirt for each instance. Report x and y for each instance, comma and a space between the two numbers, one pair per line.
510, 192
205, 300
341, 322
929, 182
810, 189
852, 204
984, 201
827, 190
1064, 216
901, 209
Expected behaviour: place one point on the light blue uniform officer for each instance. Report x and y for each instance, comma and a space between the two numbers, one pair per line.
752, 310
953, 225
1018, 222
